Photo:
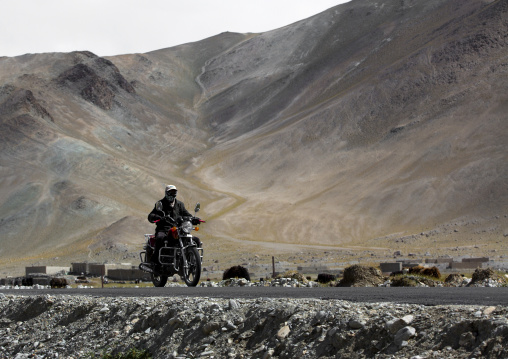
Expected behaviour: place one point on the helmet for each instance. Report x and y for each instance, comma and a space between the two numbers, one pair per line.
171, 192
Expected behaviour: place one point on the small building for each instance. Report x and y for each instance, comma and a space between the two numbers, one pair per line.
465, 265
128, 274
408, 264
79, 268
476, 260
313, 270
103, 269
390, 267
439, 261
46, 270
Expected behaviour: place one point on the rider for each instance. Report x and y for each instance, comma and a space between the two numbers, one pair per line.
172, 208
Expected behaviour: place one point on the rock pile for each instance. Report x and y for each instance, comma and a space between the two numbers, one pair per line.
375, 280
486, 278
354, 276
480, 278
361, 276
278, 282
76, 327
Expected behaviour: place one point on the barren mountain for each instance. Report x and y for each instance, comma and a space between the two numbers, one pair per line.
367, 123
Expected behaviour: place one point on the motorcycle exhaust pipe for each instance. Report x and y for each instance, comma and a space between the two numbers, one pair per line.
145, 267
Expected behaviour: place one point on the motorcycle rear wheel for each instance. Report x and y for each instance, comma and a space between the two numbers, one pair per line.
159, 280
192, 273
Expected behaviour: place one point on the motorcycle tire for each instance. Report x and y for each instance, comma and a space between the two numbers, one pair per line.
159, 280
192, 274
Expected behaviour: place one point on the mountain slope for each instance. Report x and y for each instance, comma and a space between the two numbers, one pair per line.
399, 127
367, 120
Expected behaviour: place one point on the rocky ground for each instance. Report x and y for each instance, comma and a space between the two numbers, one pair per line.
62, 326
75, 327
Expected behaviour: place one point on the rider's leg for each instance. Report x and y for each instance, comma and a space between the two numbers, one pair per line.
159, 241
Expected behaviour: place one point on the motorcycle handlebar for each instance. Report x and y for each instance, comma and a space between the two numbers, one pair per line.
170, 219
165, 218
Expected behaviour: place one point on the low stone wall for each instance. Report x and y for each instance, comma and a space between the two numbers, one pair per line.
390, 267
127, 274
439, 260
476, 260
45, 270
465, 265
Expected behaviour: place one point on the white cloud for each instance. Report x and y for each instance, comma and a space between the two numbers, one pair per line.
112, 27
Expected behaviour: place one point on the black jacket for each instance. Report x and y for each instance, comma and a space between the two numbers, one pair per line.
174, 211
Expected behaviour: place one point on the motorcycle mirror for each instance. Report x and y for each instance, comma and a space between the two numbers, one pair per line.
198, 207
158, 206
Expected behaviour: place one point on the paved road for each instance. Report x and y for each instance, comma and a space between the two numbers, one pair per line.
425, 296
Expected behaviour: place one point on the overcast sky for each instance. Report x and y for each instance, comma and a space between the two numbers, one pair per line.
114, 27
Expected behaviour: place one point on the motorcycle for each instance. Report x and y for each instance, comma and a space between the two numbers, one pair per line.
182, 253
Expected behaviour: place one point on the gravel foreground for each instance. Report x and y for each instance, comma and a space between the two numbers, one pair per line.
62, 326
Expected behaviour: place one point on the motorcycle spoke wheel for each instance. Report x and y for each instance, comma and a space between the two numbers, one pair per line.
159, 280
192, 273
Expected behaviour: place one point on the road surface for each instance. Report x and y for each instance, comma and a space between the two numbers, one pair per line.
424, 296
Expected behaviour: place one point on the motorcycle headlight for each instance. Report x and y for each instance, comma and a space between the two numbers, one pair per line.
186, 227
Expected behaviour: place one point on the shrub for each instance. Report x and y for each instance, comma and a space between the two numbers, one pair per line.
404, 282
432, 272
325, 278
58, 282
416, 270
236, 272
429, 272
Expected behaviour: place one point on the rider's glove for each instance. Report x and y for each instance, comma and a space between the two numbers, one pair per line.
195, 221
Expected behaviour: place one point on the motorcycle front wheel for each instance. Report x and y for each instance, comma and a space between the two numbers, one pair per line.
192, 273
159, 280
